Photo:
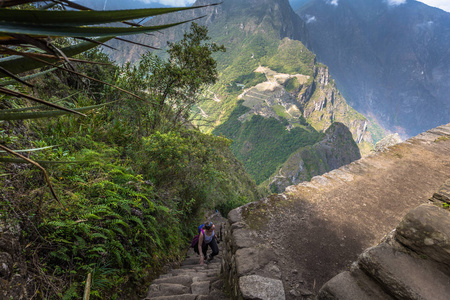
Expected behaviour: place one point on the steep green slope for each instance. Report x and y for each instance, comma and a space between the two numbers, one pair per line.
335, 149
268, 67
263, 143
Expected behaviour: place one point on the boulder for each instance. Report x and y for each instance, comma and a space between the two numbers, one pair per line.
261, 288
426, 230
404, 276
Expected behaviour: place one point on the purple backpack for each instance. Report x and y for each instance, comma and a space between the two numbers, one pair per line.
194, 243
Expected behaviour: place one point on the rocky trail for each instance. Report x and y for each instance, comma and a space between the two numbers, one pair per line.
192, 281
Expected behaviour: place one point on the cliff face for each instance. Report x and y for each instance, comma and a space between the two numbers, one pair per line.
388, 60
294, 242
336, 149
327, 105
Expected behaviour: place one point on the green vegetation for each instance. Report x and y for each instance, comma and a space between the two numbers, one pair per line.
132, 180
263, 144
292, 57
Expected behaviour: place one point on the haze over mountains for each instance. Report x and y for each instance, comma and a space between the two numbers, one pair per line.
389, 61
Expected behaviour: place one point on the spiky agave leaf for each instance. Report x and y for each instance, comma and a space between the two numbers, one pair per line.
8, 116
75, 31
18, 64
83, 18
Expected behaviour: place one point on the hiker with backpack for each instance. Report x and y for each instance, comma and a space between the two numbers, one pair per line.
206, 237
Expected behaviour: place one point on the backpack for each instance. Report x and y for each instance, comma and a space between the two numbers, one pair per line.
194, 243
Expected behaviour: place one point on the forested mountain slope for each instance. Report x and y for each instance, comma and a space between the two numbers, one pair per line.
286, 95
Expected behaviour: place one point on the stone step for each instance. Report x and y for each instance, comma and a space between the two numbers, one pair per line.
175, 297
167, 289
180, 279
404, 276
200, 288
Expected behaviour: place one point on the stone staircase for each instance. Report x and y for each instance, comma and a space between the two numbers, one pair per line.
190, 282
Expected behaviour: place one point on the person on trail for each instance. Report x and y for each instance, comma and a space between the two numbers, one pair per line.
207, 238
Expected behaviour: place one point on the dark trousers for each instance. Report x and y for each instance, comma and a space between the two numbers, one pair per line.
213, 246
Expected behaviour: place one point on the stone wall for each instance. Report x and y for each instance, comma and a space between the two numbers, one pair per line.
248, 263
287, 246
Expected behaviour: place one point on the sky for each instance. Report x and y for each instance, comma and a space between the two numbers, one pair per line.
442, 4
171, 2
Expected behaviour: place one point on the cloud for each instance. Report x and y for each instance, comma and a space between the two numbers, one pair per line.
170, 2
426, 25
310, 19
395, 2
442, 4
333, 2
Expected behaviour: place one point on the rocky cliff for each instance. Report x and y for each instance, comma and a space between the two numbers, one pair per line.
336, 149
290, 244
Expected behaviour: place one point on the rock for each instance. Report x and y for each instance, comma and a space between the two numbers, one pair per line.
387, 141
426, 230
175, 297
346, 286
166, 289
403, 276
262, 288
272, 269
6, 265
180, 279
200, 288
249, 259
443, 194
242, 238
234, 216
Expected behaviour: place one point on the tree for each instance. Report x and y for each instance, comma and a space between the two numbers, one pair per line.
175, 85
